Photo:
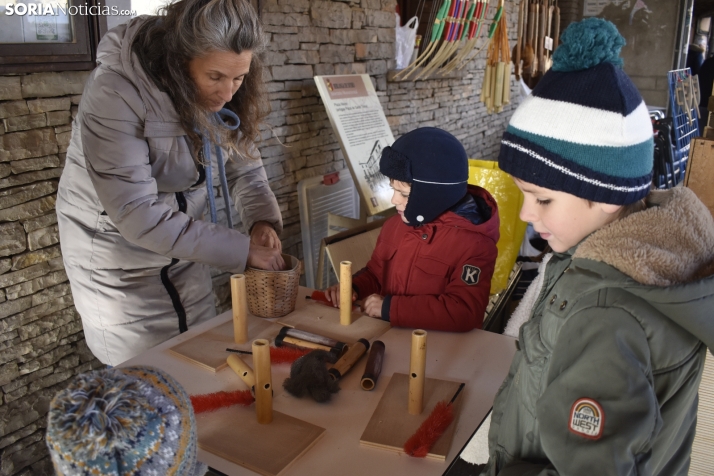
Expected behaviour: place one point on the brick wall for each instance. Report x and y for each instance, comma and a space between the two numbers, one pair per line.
41, 341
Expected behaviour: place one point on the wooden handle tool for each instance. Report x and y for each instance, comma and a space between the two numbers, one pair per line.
345, 363
240, 309
373, 367
417, 369
263, 381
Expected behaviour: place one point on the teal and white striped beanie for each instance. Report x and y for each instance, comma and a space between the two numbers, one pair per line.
585, 129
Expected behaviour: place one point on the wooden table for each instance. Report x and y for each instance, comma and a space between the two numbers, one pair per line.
479, 358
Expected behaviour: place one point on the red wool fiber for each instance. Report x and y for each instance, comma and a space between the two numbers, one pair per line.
419, 444
213, 401
286, 355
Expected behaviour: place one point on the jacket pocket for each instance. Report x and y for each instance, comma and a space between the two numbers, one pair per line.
429, 276
110, 250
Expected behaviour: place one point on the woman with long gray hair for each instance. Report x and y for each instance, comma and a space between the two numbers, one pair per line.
173, 107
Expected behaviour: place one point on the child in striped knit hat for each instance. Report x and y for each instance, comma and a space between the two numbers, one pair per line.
606, 376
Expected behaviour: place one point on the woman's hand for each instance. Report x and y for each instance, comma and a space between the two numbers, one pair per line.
333, 295
263, 257
263, 234
373, 305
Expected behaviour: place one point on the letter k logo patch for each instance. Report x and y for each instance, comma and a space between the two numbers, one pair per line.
470, 274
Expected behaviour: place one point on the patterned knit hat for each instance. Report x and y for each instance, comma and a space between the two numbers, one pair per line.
435, 164
123, 421
585, 129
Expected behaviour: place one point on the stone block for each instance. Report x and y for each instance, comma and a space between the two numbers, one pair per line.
49, 104
8, 308
331, 14
12, 239
273, 58
13, 108
357, 19
38, 284
292, 72
303, 57
46, 324
283, 43
75, 99
351, 68
35, 257
314, 34
310, 46
387, 35
15, 196
28, 165
25, 144
53, 84
58, 118
5, 170
24, 123
31, 209
337, 54
281, 19
8, 373
380, 19
42, 238
373, 51
63, 139
39, 222
294, 6
376, 67
10, 88
324, 69
5, 265
371, 4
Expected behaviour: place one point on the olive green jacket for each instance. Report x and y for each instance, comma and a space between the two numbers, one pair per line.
606, 377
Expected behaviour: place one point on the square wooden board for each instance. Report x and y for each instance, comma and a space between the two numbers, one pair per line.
208, 350
391, 424
234, 434
325, 321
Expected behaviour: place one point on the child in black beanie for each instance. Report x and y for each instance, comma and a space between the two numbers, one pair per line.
432, 266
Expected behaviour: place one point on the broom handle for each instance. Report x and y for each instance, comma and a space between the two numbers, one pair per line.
263, 381
345, 293
240, 309
417, 368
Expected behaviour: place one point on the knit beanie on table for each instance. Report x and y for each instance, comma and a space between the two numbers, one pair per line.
585, 129
435, 164
123, 421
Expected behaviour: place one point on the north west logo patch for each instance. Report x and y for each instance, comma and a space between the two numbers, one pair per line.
587, 419
470, 274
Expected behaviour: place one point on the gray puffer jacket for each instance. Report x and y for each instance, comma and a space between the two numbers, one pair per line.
131, 206
607, 374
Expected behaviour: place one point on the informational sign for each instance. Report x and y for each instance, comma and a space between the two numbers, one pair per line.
362, 129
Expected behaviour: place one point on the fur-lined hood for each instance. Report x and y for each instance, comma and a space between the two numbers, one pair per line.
665, 255
671, 242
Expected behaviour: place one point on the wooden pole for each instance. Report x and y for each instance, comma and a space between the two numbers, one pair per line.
243, 370
417, 369
240, 309
345, 293
263, 381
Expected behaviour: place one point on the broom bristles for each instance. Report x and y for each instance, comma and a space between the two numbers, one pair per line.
213, 401
419, 444
286, 355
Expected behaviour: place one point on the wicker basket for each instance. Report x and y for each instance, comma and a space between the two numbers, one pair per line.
273, 293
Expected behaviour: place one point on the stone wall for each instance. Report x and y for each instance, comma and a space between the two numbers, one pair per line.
41, 340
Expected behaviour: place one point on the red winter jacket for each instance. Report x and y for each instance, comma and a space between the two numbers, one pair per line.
435, 276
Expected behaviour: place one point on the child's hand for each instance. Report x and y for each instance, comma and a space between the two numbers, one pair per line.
373, 305
333, 295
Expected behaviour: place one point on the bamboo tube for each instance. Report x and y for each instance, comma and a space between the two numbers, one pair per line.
417, 369
263, 381
486, 87
507, 84
498, 93
289, 341
244, 371
345, 293
374, 366
240, 309
345, 363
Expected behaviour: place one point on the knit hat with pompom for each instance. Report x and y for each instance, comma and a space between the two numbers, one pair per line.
585, 129
123, 421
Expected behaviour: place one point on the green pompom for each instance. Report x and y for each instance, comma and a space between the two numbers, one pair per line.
588, 43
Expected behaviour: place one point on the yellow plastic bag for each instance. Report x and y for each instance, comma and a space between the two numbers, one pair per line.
486, 174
